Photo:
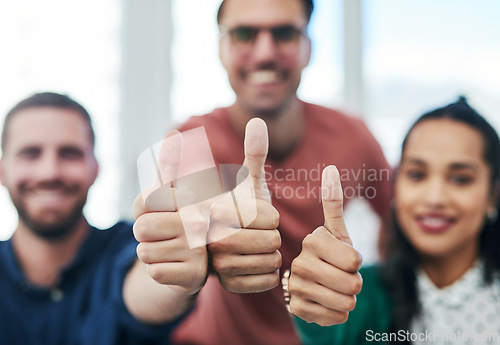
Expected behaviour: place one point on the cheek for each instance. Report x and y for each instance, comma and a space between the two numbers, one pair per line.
404, 196
473, 210
227, 58
405, 201
83, 174
15, 177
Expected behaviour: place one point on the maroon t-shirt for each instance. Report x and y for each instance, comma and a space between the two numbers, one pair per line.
331, 137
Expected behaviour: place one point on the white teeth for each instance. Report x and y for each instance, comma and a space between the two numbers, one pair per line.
263, 77
434, 221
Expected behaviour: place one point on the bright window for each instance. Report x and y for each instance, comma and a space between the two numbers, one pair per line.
70, 47
423, 54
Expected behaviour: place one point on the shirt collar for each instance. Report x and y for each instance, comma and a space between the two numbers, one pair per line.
451, 296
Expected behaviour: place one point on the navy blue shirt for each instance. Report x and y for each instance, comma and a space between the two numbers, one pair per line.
86, 308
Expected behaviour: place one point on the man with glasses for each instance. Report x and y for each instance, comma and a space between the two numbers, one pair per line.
264, 47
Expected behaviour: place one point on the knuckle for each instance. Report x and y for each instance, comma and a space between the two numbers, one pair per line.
140, 227
309, 242
215, 247
295, 306
275, 240
354, 260
215, 213
292, 288
334, 318
220, 264
274, 280
314, 240
277, 260
231, 284
218, 211
275, 217
299, 267
341, 318
225, 267
349, 304
156, 273
198, 226
142, 253
299, 308
356, 285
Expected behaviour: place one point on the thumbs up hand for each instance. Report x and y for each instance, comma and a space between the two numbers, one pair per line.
170, 226
243, 239
324, 278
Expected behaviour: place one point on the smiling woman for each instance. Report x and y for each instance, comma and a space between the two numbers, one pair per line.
441, 274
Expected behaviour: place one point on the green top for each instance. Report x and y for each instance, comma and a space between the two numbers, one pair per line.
371, 317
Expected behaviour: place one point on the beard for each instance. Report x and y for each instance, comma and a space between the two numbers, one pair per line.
60, 226
56, 230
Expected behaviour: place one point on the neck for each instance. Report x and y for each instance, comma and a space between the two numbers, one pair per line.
444, 271
42, 260
285, 128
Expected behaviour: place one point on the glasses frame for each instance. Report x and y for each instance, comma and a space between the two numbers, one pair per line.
231, 32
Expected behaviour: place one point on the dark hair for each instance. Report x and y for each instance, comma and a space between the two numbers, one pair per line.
399, 269
308, 9
47, 99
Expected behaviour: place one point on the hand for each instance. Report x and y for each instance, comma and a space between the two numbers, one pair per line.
324, 278
243, 239
171, 228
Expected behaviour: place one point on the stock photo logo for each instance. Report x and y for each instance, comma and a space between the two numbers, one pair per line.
179, 174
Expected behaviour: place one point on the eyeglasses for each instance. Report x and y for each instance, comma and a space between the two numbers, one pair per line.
284, 36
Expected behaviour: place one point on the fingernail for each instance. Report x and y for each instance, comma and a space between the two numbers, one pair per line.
331, 190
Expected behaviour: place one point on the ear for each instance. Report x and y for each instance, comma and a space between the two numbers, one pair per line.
223, 54
494, 197
94, 170
306, 52
2, 173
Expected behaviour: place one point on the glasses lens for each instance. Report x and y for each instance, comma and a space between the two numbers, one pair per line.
285, 34
244, 34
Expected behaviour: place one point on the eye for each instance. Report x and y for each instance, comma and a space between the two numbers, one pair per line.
285, 33
70, 153
461, 179
415, 175
244, 34
29, 153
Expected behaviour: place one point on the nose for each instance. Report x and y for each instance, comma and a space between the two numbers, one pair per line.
435, 193
48, 167
264, 47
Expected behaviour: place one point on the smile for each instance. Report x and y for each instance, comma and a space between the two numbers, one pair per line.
264, 77
435, 223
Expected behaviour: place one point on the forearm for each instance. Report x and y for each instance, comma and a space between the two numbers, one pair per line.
151, 302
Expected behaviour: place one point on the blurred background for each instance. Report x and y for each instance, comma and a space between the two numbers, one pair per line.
140, 67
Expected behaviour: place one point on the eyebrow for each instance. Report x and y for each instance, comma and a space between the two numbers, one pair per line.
452, 166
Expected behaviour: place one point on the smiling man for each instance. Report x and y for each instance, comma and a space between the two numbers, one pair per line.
264, 47
62, 280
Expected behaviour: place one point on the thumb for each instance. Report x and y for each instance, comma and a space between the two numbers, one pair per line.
256, 148
169, 158
332, 200
162, 195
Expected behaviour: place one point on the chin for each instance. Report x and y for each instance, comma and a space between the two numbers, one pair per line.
433, 250
267, 111
53, 227
55, 231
